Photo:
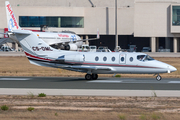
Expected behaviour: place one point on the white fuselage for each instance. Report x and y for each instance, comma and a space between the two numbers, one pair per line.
105, 63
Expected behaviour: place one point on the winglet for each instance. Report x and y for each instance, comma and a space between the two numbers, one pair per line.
11, 19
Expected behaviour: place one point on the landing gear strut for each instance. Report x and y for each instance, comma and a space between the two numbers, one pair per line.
90, 77
158, 77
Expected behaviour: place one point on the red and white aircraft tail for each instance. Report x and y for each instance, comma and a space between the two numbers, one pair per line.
11, 19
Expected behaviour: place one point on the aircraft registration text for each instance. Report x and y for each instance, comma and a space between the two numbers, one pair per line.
42, 48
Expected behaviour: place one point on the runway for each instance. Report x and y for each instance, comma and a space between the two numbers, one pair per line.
81, 83
169, 87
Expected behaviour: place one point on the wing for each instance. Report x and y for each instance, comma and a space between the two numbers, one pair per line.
87, 68
91, 68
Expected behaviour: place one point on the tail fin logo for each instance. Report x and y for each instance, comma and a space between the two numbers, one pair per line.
10, 25
12, 21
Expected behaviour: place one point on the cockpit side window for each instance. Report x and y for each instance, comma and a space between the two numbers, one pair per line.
144, 58
140, 57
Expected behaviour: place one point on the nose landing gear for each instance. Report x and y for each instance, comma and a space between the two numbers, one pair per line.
91, 77
158, 77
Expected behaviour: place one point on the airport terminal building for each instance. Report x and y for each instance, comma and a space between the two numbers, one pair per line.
144, 23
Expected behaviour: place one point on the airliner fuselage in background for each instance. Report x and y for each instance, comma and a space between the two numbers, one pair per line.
93, 63
66, 40
54, 38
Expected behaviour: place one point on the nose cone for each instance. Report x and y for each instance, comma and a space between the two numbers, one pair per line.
78, 38
172, 69
168, 68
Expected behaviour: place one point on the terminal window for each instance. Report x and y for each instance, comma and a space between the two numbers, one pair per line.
36, 21
175, 15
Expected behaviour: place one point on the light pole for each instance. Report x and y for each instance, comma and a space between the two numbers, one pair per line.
116, 36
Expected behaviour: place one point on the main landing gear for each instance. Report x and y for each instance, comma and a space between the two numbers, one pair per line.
91, 76
158, 77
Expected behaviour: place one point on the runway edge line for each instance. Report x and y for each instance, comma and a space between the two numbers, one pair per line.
90, 92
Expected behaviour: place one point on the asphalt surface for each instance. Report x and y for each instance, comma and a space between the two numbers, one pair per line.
81, 83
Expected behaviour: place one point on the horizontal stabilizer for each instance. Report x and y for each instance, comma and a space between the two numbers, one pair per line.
4, 33
26, 32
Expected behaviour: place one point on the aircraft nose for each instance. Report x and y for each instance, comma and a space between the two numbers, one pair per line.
172, 69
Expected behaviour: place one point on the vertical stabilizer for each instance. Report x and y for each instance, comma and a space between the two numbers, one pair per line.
32, 44
37, 51
11, 19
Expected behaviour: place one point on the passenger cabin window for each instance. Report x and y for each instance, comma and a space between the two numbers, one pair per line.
105, 58
113, 59
96, 58
144, 58
131, 59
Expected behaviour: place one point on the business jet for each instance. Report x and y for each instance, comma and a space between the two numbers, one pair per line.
63, 40
93, 63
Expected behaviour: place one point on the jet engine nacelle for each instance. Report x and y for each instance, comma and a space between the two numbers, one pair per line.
75, 58
72, 47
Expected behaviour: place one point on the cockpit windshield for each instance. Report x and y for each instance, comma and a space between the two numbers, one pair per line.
144, 58
148, 58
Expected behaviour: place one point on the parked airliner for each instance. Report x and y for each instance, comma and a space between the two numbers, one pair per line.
66, 41
93, 63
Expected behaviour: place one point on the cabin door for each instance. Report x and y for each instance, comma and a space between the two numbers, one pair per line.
122, 58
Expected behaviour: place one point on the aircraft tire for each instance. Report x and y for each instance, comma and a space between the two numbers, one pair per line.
158, 78
88, 77
94, 76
